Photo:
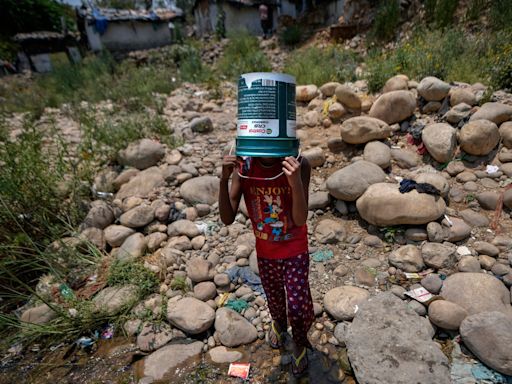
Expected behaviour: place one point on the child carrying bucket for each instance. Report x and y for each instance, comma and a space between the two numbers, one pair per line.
274, 181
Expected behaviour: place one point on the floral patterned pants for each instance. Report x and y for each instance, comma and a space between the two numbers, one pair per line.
286, 284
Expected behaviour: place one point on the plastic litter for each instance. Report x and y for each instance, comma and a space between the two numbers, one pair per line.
208, 228
85, 342
247, 276
466, 370
321, 255
420, 294
66, 292
107, 332
237, 305
492, 169
239, 370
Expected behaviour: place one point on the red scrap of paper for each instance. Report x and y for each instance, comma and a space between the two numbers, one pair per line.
239, 370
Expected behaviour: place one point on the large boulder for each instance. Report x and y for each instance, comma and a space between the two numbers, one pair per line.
343, 302
346, 96
115, 235
328, 89
352, 181
202, 189
138, 217
132, 248
330, 231
436, 179
407, 258
477, 293
396, 83
112, 300
198, 270
362, 129
306, 93
506, 134
489, 336
142, 154
233, 329
315, 156
462, 96
440, 140
201, 125
479, 137
445, 314
438, 256
191, 315
167, 359
377, 152
393, 107
382, 204
495, 112
183, 228
388, 342
99, 216
433, 89
142, 184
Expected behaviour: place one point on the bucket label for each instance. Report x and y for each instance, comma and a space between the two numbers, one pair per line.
266, 108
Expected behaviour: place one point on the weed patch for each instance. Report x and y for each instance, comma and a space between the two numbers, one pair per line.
320, 65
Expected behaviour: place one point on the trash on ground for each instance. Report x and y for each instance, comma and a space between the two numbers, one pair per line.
107, 332
420, 294
492, 169
321, 255
239, 370
248, 277
237, 305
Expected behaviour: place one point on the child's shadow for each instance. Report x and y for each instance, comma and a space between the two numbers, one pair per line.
321, 368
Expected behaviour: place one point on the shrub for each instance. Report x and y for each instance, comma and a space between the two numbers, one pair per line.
475, 9
440, 12
241, 55
320, 65
132, 273
291, 35
449, 55
501, 14
386, 20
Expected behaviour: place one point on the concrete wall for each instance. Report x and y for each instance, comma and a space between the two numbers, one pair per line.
335, 9
129, 35
237, 18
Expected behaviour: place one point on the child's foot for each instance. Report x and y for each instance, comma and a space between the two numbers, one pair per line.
274, 336
299, 361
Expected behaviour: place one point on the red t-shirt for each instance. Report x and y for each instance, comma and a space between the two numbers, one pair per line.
269, 204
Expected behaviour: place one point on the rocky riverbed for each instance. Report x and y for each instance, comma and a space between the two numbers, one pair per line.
373, 244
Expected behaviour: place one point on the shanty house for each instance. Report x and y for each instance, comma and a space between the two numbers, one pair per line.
243, 14
129, 30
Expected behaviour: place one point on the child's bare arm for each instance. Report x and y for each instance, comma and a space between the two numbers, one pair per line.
229, 198
298, 175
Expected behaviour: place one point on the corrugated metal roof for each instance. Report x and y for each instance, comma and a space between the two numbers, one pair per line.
38, 35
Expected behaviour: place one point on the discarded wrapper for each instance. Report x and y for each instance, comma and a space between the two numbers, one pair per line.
420, 275
420, 294
239, 370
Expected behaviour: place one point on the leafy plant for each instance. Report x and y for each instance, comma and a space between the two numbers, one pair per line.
180, 283
440, 13
132, 273
501, 14
390, 233
291, 35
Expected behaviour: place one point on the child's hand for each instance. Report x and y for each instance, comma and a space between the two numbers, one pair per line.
291, 168
229, 163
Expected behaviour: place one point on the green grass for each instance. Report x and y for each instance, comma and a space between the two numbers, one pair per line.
242, 55
451, 55
320, 65
501, 14
440, 13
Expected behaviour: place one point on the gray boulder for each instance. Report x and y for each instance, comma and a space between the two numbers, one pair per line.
233, 328
388, 342
489, 336
352, 181
142, 154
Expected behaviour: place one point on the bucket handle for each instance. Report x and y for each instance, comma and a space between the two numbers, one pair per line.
263, 178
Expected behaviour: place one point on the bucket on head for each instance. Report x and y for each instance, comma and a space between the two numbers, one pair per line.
266, 115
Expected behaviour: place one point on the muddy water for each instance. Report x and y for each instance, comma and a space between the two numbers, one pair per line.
118, 361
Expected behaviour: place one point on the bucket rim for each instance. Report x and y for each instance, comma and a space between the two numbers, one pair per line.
278, 76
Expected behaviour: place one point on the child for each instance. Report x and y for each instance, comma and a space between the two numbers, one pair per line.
275, 191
